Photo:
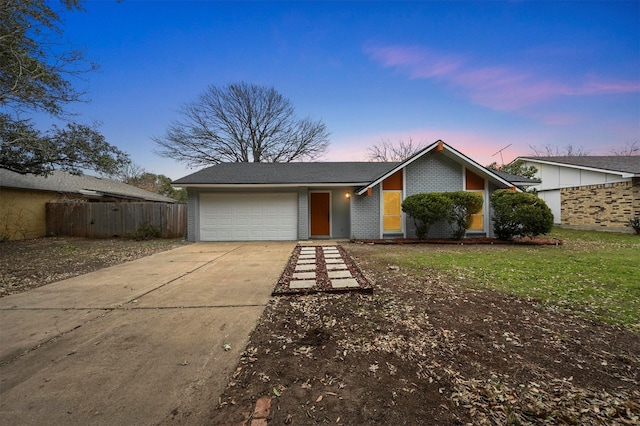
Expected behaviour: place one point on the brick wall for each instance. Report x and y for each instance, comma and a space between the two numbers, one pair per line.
365, 215
432, 173
193, 197
605, 205
303, 213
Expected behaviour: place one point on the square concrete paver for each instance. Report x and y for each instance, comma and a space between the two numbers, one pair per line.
333, 256
306, 261
307, 256
303, 275
301, 283
306, 267
339, 274
344, 283
336, 267
333, 261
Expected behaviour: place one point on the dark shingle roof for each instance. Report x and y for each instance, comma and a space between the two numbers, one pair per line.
288, 173
625, 164
64, 182
515, 179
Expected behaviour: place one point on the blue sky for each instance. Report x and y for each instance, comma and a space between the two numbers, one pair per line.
478, 75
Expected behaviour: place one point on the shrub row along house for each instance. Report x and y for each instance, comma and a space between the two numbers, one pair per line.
357, 200
590, 191
23, 198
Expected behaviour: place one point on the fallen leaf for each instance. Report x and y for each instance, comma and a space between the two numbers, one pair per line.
318, 399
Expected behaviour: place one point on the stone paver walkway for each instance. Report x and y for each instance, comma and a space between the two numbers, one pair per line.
320, 268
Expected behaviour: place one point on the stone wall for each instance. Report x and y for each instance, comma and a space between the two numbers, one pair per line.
608, 205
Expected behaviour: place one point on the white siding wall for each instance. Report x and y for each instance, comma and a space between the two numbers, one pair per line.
555, 177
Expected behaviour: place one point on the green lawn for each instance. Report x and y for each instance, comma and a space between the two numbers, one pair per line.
596, 274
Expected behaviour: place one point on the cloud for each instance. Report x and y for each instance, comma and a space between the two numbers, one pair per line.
419, 62
497, 87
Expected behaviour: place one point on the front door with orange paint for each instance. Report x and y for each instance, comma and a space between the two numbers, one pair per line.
320, 216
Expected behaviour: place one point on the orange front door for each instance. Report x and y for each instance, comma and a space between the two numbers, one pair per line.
319, 213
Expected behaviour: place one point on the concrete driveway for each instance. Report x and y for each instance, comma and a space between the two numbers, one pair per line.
139, 343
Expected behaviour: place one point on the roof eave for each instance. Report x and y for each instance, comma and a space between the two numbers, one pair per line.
266, 185
575, 166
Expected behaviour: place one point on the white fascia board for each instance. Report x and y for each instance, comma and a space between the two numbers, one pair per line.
574, 166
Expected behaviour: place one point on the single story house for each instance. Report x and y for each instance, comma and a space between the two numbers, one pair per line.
23, 198
357, 200
589, 191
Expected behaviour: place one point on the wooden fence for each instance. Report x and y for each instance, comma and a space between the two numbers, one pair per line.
106, 220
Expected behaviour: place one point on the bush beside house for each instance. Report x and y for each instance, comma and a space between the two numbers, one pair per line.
455, 208
519, 214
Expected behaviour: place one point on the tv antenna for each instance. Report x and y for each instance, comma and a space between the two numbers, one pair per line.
500, 152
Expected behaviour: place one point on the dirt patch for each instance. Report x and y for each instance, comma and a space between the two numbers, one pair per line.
424, 350
32, 263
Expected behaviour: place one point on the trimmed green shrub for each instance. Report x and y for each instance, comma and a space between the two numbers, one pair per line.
519, 214
634, 222
455, 208
463, 205
427, 209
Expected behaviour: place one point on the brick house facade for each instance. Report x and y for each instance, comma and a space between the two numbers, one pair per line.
594, 192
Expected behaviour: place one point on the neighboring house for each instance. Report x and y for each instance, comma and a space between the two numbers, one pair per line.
298, 201
23, 198
589, 191
519, 181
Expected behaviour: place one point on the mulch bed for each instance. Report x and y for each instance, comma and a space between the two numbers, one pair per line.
323, 284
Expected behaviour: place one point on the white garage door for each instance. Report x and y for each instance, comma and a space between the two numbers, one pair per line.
248, 217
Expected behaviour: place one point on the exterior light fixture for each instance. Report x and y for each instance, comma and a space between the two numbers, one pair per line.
348, 195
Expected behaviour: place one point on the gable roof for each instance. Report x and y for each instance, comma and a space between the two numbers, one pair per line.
287, 174
87, 185
628, 166
439, 146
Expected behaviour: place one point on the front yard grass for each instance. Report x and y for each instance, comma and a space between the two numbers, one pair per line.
594, 274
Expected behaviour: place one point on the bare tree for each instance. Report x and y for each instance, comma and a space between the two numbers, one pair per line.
387, 151
555, 151
242, 123
628, 149
128, 172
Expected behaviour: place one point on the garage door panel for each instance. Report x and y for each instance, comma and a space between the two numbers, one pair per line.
247, 217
